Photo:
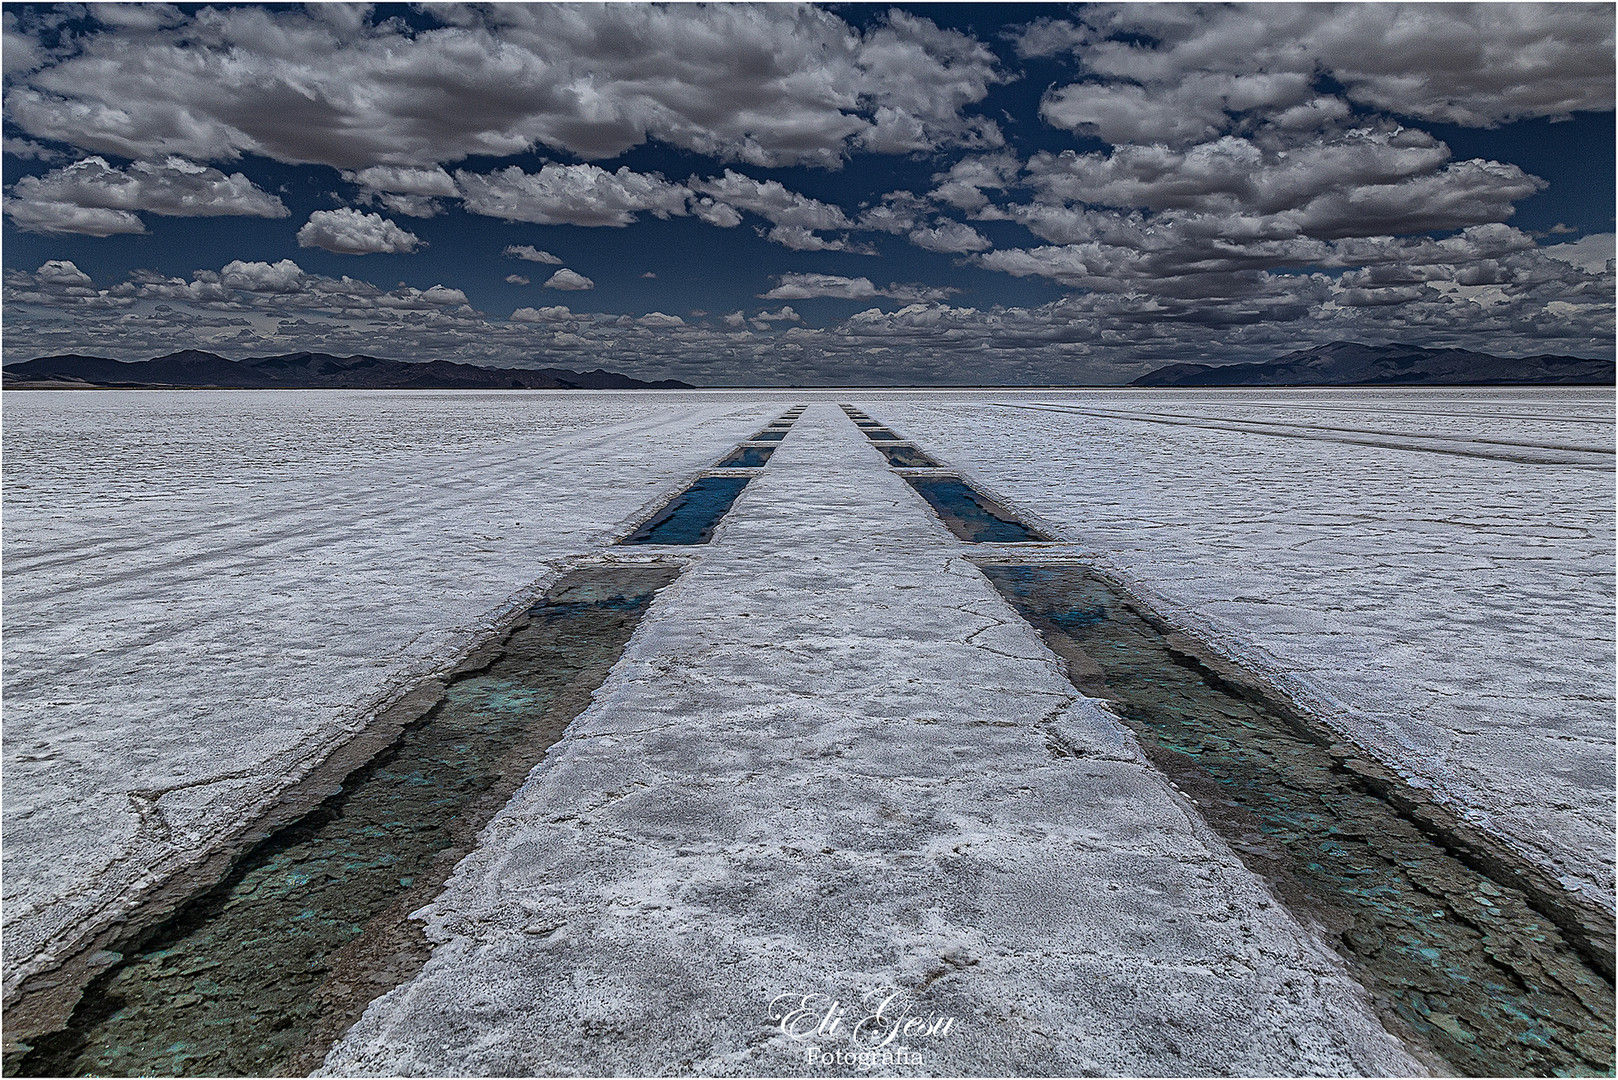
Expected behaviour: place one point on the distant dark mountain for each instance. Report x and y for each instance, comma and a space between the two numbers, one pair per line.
192, 369
1348, 363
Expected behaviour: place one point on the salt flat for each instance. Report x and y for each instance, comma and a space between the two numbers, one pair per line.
823, 770
1441, 589
207, 591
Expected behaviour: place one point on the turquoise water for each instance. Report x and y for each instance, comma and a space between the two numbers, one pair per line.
1470, 966
903, 456
256, 976
970, 515
690, 517
747, 457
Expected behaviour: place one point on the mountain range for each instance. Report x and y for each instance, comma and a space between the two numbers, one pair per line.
193, 369
1349, 363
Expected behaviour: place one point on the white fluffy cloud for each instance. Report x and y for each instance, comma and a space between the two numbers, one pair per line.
1592, 253
767, 85
797, 219
1468, 64
414, 192
554, 314
1514, 300
349, 232
97, 199
1364, 181
771, 200
570, 195
530, 253
963, 185
1189, 111
809, 286
569, 281
949, 237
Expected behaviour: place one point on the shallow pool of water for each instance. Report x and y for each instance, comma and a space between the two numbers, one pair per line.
691, 516
1472, 967
260, 973
971, 515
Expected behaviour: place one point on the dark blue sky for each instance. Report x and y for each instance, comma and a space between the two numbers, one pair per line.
1074, 194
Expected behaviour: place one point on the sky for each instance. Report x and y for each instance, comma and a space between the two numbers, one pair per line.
783, 194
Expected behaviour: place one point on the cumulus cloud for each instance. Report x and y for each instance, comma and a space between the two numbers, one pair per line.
1592, 253
949, 237
569, 281
570, 195
516, 279
556, 313
767, 85
1364, 181
97, 199
963, 185
809, 286
1165, 73
529, 253
1489, 287
404, 180
349, 232
797, 219
1188, 112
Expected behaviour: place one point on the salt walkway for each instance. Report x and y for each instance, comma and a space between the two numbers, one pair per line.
823, 769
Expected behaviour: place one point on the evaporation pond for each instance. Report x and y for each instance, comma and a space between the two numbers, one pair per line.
768, 435
902, 456
1475, 968
690, 517
875, 433
971, 515
748, 457
261, 972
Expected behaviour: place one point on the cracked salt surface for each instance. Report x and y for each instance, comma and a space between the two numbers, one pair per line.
823, 768
209, 590
1450, 612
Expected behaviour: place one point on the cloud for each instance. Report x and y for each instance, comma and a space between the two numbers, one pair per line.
350, 232
797, 219
1592, 253
404, 180
949, 237
1191, 111
785, 314
768, 85
1363, 181
569, 281
97, 199
516, 279
656, 320
1171, 74
963, 185
529, 253
809, 286
570, 195
1489, 287
557, 313
62, 273
718, 214
29, 150
771, 200
285, 276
